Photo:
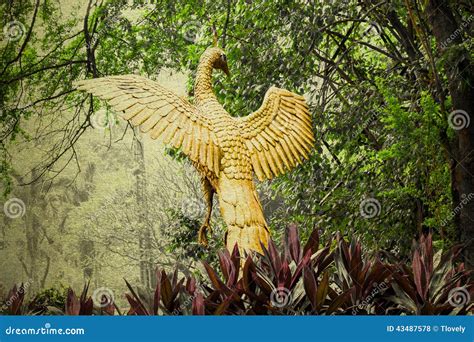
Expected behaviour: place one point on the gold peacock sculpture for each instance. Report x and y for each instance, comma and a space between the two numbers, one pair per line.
227, 151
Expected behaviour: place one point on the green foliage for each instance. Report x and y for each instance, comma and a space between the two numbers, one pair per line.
183, 240
54, 297
379, 109
185, 236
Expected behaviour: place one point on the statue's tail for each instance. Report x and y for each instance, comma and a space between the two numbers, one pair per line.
246, 225
243, 215
248, 237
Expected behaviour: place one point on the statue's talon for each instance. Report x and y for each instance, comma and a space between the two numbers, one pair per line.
202, 238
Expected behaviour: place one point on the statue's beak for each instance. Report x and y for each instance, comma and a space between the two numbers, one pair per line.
225, 69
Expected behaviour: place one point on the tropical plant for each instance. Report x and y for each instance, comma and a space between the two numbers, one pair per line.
171, 296
433, 285
337, 278
365, 279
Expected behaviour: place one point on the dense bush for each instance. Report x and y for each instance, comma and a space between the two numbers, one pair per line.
335, 278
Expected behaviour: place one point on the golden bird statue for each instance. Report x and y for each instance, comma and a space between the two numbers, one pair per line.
227, 151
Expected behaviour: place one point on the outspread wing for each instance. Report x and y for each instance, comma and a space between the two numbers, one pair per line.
161, 113
279, 134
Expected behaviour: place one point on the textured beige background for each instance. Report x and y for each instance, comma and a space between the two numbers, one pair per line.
93, 147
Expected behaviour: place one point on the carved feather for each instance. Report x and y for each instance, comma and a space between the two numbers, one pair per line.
279, 132
161, 113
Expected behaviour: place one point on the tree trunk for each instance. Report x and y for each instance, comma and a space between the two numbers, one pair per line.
460, 78
146, 265
31, 264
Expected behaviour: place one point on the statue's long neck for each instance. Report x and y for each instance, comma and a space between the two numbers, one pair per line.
203, 84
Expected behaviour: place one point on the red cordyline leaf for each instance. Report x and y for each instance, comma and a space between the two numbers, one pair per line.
218, 284
87, 307
294, 243
312, 243
428, 253
233, 276
303, 262
176, 291
423, 244
166, 290
284, 276
355, 253
247, 279
274, 257
419, 274
376, 275
86, 304
226, 265
323, 259
136, 306
191, 285
157, 297
12, 298
344, 252
322, 291
251, 280
339, 301
235, 257
310, 286
16, 296
216, 281
198, 304
73, 306
224, 305
175, 278
404, 280
85, 289
344, 262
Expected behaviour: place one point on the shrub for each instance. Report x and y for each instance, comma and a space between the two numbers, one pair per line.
311, 279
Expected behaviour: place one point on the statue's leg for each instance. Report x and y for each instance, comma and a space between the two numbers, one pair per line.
208, 195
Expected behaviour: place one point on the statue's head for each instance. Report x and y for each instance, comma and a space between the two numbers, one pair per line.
218, 58
215, 55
